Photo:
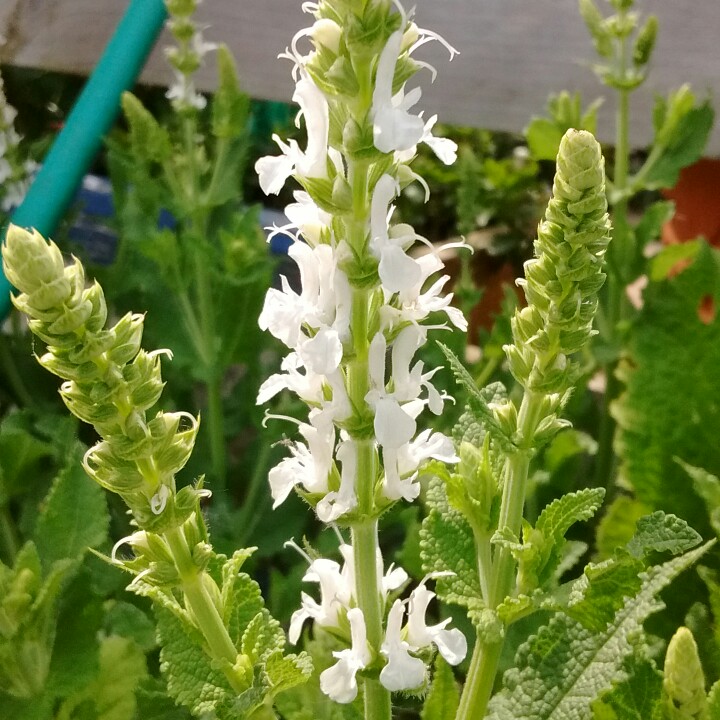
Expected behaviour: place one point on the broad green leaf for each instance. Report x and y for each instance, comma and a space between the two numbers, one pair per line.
543, 137
661, 414
562, 669
191, 679
637, 696
650, 226
561, 514
681, 133
446, 543
127, 620
662, 533
149, 140
286, 672
707, 486
443, 699
153, 702
74, 515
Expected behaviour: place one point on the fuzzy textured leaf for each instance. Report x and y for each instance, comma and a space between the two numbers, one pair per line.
662, 533
446, 543
562, 669
443, 700
636, 697
74, 516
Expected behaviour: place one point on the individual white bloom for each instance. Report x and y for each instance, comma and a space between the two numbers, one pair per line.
312, 222
337, 503
451, 644
394, 128
182, 92
339, 682
308, 465
397, 270
409, 383
307, 386
394, 578
334, 596
444, 148
159, 500
273, 171
402, 671
393, 425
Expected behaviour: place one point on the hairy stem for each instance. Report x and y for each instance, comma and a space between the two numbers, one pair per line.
484, 663
198, 600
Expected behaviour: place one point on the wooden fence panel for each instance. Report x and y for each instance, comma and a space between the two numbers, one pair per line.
513, 52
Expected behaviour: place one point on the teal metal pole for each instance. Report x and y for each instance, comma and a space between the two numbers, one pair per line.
92, 116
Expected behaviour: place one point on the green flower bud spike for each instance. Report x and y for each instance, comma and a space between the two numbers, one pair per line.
109, 381
684, 680
563, 279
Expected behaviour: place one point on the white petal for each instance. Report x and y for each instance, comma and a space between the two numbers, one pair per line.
451, 644
273, 171
398, 271
321, 354
393, 426
338, 682
402, 671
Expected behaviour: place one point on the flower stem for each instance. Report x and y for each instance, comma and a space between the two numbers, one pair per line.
365, 544
199, 602
484, 663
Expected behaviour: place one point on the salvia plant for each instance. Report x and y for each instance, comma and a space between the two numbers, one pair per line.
540, 641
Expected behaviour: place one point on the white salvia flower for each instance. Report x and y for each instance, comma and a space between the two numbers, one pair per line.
307, 386
397, 270
308, 465
402, 671
394, 128
451, 644
308, 218
327, 33
394, 578
393, 425
337, 503
339, 682
334, 597
273, 171
444, 148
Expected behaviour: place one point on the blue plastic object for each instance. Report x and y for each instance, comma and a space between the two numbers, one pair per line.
92, 116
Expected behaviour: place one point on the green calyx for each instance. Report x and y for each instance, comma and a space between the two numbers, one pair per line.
110, 382
563, 279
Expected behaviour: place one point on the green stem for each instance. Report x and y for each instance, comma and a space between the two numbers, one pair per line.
198, 600
10, 369
369, 599
484, 663
250, 514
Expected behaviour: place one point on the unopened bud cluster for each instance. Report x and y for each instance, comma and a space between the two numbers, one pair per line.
562, 281
110, 382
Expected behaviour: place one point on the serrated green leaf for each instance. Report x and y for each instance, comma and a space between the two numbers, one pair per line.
443, 699
286, 672
638, 695
478, 399
562, 669
262, 637
617, 525
447, 543
561, 514
707, 486
74, 515
662, 533
191, 679
714, 701
127, 620
683, 144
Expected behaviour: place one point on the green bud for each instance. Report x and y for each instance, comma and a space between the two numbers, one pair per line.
563, 279
645, 41
181, 7
684, 680
596, 25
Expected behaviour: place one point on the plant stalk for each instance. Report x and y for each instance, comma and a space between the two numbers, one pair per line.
484, 663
